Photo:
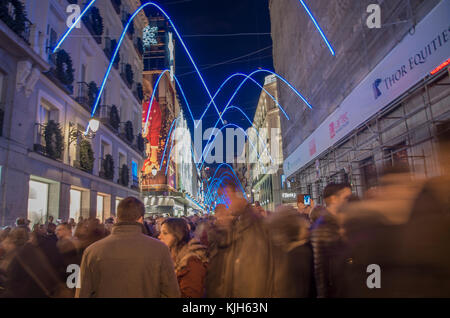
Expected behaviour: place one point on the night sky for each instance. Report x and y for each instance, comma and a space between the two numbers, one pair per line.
206, 17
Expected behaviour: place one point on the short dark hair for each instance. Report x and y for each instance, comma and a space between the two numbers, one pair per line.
130, 210
334, 188
179, 229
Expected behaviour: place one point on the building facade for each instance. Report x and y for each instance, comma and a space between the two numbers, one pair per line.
170, 177
374, 104
265, 166
49, 166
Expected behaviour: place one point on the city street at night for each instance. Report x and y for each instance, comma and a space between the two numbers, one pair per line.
257, 150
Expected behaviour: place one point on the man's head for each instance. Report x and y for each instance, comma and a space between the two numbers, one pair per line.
50, 219
335, 195
236, 198
130, 210
51, 228
63, 231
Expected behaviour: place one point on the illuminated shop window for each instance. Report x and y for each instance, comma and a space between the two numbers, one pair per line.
75, 204
37, 202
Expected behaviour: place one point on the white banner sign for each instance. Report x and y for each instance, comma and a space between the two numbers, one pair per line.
420, 51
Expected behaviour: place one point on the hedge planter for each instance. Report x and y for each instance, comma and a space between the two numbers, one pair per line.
54, 141
17, 21
108, 168
86, 156
129, 132
124, 178
114, 119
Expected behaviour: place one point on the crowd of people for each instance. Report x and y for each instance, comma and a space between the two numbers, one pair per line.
402, 227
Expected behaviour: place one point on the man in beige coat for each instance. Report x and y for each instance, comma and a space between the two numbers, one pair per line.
128, 263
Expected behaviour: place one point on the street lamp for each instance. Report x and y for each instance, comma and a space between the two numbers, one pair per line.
94, 124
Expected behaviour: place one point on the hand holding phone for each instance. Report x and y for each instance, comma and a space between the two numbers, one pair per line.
307, 200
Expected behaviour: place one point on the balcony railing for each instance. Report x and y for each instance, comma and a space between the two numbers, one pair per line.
123, 74
103, 173
53, 76
40, 145
121, 180
82, 95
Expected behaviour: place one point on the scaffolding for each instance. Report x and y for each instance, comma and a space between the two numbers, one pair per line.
411, 128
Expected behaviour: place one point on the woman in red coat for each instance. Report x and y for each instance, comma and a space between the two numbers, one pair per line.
189, 257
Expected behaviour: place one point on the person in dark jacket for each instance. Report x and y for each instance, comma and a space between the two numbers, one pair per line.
242, 266
295, 265
326, 239
128, 263
189, 257
37, 271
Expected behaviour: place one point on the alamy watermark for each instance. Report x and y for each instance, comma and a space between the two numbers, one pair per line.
374, 19
74, 13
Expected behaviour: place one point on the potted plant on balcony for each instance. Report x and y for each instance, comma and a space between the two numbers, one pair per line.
94, 23
108, 167
86, 156
16, 21
54, 143
129, 75
64, 70
140, 142
92, 93
124, 177
114, 119
129, 131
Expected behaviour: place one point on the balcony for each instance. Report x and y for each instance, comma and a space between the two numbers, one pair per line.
106, 168
124, 176
94, 23
59, 74
53, 131
18, 24
127, 75
103, 112
82, 95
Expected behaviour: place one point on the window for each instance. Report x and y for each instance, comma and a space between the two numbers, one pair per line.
117, 203
369, 173
44, 114
51, 38
37, 202
397, 156
83, 73
100, 205
75, 204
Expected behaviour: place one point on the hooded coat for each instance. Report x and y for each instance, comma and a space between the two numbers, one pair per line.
190, 267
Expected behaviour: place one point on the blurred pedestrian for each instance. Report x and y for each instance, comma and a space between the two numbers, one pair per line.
242, 263
294, 270
326, 238
189, 257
